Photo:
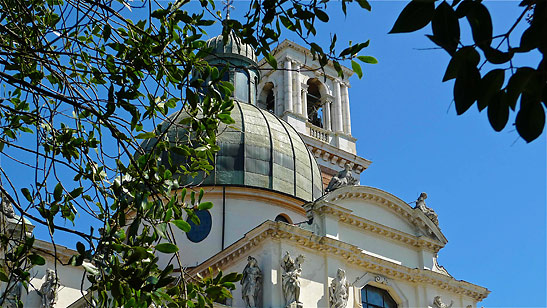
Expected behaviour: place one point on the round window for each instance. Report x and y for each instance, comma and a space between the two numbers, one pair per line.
199, 232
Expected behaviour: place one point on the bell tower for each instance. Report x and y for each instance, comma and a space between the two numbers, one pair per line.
316, 103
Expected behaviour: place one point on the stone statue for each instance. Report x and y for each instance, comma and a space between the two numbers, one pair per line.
343, 178
339, 290
251, 282
48, 291
13, 296
429, 212
7, 208
437, 303
291, 280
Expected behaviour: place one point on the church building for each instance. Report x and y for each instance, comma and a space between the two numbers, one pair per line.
289, 211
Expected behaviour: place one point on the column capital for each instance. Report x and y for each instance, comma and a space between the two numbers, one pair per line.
327, 99
304, 87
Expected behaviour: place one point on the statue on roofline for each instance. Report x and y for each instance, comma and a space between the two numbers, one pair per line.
429, 212
343, 178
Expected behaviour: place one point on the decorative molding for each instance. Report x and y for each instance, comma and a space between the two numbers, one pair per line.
380, 279
379, 229
335, 155
351, 254
396, 205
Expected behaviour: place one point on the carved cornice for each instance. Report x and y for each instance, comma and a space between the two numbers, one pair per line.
396, 205
277, 231
379, 229
335, 155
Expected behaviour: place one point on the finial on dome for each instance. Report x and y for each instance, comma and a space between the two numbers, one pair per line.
227, 6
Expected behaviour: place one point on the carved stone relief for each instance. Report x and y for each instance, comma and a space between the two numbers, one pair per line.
252, 283
292, 270
343, 178
437, 303
339, 290
380, 279
48, 291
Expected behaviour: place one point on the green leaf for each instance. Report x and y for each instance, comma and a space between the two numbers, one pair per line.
464, 56
181, 224
368, 59
27, 194
466, 88
498, 111
356, 68
490, 84
481, 24
58, 192
205, 206
496, 56
90, 268
530, 120
80, 247
321, 15
167, 248
37, 259
446, 28
106, 32
3, 276
364, 4
147, 135
76, 192
415, 15
517, 83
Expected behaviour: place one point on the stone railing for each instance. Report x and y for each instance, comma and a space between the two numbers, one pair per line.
318, 133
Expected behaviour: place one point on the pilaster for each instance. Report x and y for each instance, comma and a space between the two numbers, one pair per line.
345, 108
337, 110
297, 95
288, 85
304, 99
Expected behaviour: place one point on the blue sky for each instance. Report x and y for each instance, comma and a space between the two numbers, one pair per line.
488, 188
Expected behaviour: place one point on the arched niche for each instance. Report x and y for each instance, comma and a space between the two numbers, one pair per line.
382, 283
266, 99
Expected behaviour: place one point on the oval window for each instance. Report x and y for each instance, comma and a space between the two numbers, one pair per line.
199, 232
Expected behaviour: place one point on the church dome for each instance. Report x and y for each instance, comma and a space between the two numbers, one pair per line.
234, 48
258, 150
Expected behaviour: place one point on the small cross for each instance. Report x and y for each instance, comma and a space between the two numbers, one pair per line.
227, 6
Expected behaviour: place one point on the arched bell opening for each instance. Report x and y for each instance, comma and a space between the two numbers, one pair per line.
314, 102
266, 100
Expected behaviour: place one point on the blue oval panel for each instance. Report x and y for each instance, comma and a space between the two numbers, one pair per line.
199, 232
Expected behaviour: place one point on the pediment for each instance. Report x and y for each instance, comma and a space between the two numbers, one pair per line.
384, 208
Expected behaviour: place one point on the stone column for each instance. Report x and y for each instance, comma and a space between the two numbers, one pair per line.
337, 108
288, 86
304, 99
345, 109
326, 115
298, 97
